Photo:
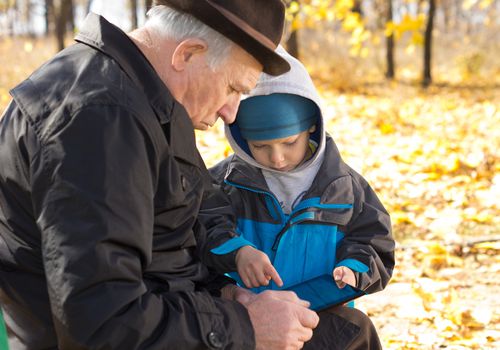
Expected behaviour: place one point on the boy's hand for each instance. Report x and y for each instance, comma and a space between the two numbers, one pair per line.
255, 268
344, 275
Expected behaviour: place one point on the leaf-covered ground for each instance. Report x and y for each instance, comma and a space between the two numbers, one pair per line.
434, 159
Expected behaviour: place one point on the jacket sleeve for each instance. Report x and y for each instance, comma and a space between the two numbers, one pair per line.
368, 246
93, 193
218, 247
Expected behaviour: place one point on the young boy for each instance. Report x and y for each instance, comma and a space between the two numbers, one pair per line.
294, 199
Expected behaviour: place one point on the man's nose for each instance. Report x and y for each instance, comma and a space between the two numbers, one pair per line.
231, 108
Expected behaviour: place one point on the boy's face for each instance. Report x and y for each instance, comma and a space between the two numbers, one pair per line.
283, 154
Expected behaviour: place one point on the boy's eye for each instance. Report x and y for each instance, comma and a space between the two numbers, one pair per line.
291, 143
258, 146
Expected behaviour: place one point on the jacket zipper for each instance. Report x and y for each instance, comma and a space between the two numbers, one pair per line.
288, 222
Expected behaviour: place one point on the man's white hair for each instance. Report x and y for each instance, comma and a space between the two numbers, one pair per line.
179, 26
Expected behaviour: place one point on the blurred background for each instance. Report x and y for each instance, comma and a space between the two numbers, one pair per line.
411, 94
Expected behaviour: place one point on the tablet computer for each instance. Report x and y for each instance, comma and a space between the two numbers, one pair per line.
322, 292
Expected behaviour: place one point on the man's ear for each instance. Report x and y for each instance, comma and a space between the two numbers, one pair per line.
186, 51
312, 129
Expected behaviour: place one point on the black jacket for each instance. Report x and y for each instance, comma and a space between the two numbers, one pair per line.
100, 187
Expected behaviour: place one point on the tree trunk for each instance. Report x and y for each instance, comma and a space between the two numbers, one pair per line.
62, 14
12, 16
26, 18
446, 5
292, 44
88, 6
390, 45
356, 8
148, 4
49, 14
71, 17
427, 77
133, 13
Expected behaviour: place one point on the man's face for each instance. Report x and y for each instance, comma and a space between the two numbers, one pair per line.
216, 93
283, 154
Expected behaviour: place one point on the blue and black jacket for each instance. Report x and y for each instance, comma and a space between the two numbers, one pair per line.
338, 222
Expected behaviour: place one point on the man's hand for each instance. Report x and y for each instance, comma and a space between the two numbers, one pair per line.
280, 320
344, 275
235, 293
255, 268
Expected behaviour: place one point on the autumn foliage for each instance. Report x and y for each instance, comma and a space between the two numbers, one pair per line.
433, 157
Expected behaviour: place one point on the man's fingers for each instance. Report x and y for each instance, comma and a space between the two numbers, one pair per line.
308, 318
306, 334
289, 296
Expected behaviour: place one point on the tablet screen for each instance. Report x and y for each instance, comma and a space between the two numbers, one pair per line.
322, 292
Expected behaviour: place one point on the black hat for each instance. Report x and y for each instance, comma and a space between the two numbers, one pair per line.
255, 25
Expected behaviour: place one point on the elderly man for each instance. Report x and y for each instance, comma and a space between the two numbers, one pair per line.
101, 183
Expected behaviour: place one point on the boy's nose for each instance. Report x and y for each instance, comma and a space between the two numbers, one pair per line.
277, 159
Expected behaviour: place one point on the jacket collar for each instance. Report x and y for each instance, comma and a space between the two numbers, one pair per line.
332, 185
98, 33
240, 172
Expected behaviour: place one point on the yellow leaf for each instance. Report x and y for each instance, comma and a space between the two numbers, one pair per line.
417, 38
433, 176
482, 218
468, 4
485, 3
294, 7
28, 46
330, 15
4, 99
296, 23
354, 51
410, 49
451, 163
364, 52
400, 217
390, 27
227, 150
351, 22
386, 128
488, 245
436, 248
321, 13
470, 320
343, 7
